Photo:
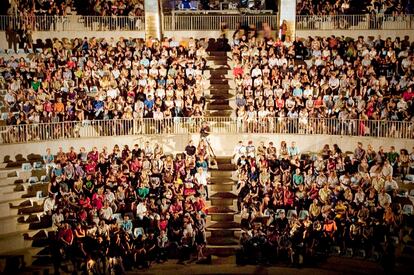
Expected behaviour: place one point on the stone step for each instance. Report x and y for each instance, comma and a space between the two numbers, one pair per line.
6, 211
231, 225
223, 195
218, 113
218, 107
222, 251
8, 173
28, 255
220, 209
10, 224
13, 241
221, 187
221, 181
227, 167
217, 53
222, 217
223, 159
218, 173
219, 101
219, 96
12, 188
220, 90
12, 196
222, 241
221, 202
218, 81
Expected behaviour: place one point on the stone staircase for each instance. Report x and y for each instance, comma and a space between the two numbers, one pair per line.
218, 100
223, 225
21, 221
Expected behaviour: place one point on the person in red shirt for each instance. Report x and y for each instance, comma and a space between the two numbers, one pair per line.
66, 236
409, 94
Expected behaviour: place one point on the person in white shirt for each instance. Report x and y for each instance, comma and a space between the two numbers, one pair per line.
384, 199
141, 210
390, 184
113, 92
201, 179
238, 151
251, 149
106, 212
57, 219
49, 205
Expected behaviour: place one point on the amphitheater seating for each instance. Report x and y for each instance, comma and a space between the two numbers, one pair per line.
20, 210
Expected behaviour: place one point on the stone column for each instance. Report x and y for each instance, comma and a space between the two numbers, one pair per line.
287, 11
153, 26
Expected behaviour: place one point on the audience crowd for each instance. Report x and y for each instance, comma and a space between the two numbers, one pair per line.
344, 7
115, 210
330, 77
95, 79
296, 206
68, 7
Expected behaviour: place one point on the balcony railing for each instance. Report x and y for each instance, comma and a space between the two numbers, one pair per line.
208, 21
216, 22
74, 23
355, 22
219, 125
130, 23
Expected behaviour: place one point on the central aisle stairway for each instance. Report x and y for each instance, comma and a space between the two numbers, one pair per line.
218, 100
222, 224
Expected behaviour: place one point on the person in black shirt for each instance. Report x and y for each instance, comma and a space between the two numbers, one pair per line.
150, 248
204, 130
190, 149
139, 253
242, 192
103, 167
136, 151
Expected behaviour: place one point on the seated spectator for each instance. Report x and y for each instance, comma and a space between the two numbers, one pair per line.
140, 213
82, 90
330, 84
290, 206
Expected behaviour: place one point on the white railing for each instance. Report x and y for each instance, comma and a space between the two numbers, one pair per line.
129, 23
216, 22
219, 125
205, 21
354, 22
74, 23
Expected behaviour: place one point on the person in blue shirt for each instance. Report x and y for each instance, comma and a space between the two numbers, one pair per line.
145, 62
202, 163
149, 102
297, 178
186, 4
293, 150
98, 107
127, 225
297, 92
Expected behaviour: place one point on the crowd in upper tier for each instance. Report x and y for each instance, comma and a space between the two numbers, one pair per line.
82, 7
344, 7
89, 79
123, 208
329, 77
294, 205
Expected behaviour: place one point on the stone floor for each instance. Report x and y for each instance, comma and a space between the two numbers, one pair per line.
334, 265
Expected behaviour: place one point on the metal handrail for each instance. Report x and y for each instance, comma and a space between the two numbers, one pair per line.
11, 134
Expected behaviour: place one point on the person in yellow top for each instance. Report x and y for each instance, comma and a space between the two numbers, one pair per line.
314, 209
340, 209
